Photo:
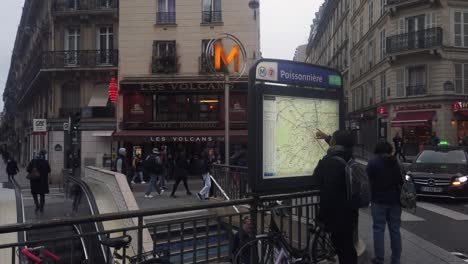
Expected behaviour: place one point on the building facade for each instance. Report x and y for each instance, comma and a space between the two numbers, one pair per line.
407, 71
169, 92
64, 56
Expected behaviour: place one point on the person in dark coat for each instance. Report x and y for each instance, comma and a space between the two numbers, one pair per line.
398, 143
39, 186
180, 172
338, 214
386, 179
11, 169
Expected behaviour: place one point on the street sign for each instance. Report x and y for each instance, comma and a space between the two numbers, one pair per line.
39, 125
66, 126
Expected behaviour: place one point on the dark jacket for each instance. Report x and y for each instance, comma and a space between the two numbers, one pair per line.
124, 164
335, 209
41, 185
385, 180
397, 142
12, 168
181, 166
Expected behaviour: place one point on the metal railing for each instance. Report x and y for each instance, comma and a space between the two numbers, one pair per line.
232, 180
165, 17
212, 17
166, 64
70, 6
208, 238
396, 2
79, 58
422, 39
416, 90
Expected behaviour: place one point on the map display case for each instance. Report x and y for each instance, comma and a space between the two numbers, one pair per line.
288, 102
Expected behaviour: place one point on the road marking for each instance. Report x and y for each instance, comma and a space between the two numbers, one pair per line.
407, 217
443, 211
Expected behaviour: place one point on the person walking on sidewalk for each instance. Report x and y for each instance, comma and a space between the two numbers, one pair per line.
11, 169
202, 168
180, 173
338, 214
385, 179
120, 162
398, 143
38, 174
154, 167
137, 165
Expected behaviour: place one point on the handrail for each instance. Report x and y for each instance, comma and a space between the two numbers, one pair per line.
85, 251
22, 236
223, 192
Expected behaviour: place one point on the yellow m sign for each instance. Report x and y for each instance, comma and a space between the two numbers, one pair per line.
221, 55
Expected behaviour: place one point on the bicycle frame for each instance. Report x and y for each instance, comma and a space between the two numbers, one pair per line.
33, 254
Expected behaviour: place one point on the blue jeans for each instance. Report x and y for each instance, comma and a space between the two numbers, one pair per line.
136, 174
391, 215
153, 184
205, 191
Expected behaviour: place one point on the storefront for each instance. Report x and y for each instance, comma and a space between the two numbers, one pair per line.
365, 127
185, 115
460, 121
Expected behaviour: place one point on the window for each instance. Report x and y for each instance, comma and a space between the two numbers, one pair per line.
106, 3
461, 29
370, 93
212, 11
361, 26
361, 62
73, 4
72, 45
166, 12
382, 7
371, 13
383, 44
370, 54
164, 57
105, 45
383, 87
431, 20
70, 97
416, 80
354, 100
185, 107
400, 77
461, 78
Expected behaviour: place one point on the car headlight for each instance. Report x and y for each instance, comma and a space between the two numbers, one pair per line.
408, 177
462, 179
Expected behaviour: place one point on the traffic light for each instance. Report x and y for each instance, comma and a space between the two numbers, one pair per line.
75, 121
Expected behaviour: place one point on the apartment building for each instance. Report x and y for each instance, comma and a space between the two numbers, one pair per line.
64, 56
169, 94
407, 71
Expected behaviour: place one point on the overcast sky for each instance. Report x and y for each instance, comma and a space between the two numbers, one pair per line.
284, 26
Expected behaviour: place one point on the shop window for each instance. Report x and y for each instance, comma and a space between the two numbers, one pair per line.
185, 108
164, 57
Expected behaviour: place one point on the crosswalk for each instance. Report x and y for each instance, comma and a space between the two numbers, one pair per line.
410, 216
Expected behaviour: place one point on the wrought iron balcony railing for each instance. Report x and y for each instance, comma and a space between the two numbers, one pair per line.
165, 18
165, 64
80, 58
83, 5
416, 90
423, 39
396, 2
212, 17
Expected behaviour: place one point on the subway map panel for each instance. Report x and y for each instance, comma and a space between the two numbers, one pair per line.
290, 148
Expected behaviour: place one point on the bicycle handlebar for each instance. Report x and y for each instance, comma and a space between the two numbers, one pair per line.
26, 252
50, 255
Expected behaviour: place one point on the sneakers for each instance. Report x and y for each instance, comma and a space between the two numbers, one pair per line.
132, 182
148, 196
161, 192
143, 182
200, 197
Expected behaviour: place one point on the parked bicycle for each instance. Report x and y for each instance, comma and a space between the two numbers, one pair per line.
39, 255
274, 248
118, 243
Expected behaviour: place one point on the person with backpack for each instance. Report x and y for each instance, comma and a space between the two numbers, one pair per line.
137, 165
386, 179
38, 174
154, 168
180, 172
338, 210
11, 169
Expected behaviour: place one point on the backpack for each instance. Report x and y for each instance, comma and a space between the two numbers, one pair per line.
357, 183
408, 194
153, 165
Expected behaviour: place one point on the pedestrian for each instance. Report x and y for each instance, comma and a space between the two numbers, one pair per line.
121, 163
339, 216
398, 143
38, 174
163, 158
434, 140
154, 167
202, 169
180, 173
137, 165
242, 237
11, 169
385, 179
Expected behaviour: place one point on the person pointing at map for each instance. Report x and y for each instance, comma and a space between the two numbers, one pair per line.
338, 215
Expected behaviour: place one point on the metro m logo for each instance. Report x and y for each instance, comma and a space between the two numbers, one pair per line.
221, 55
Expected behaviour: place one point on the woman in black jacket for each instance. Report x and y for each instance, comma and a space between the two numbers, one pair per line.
39, 185
385, 180
180, 172
11, 169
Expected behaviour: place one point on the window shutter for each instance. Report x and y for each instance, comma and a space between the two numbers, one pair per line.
431, 20
400, 82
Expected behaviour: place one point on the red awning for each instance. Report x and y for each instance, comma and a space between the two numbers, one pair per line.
177, 135
412, 119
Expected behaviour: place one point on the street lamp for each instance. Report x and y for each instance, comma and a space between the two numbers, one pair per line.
254, 5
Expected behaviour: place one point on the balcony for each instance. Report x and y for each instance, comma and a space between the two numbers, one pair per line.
81, 6
423, 39
209, 17
416, 90
165, 18
88, 112
165, 64
396, 5
80, 59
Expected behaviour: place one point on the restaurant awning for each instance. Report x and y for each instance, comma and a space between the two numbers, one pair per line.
178, 135
412, 119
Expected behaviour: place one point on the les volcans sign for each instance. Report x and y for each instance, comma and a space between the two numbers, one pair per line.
216, 53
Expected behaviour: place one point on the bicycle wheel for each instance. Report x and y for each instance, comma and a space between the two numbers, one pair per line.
321, 247
266, 251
